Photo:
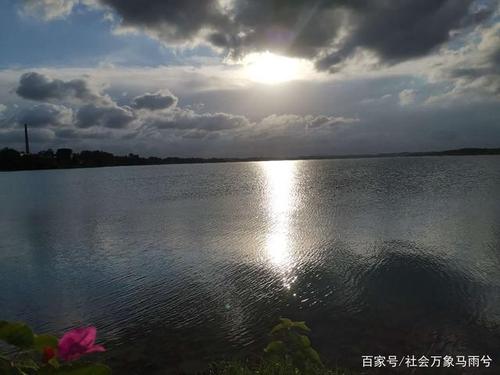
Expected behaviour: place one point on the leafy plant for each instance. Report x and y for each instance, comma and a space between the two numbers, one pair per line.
288, 353
45, 354
291, 345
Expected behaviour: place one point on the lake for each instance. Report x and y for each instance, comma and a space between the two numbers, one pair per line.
178, 265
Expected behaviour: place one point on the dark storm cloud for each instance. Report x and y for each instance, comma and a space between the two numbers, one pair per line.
301, 28
111, 116
402, 29
156, 101
39, 87
328, 31
172, 20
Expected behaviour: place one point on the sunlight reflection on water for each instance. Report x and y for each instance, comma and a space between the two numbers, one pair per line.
282, 199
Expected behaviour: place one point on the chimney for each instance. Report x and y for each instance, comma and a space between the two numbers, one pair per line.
26, 141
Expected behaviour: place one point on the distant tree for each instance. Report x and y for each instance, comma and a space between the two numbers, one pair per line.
154, 160
10, 159
96, 158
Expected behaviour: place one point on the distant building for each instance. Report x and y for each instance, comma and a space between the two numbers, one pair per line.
47, 154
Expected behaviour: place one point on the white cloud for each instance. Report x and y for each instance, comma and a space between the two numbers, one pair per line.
407, 97
49, 10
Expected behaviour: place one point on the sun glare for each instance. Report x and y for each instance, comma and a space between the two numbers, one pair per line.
270, 69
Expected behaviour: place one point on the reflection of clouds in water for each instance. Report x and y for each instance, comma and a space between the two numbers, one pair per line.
281, 201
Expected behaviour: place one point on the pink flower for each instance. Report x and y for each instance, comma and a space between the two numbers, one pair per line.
78, 342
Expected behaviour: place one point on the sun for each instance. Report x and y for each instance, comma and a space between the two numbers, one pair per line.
269, 68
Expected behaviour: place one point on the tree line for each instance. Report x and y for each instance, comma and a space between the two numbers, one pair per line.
12, 160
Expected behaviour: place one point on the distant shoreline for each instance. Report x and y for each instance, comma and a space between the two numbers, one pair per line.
11, 160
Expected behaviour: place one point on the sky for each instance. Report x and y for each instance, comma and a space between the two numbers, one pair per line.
250, 78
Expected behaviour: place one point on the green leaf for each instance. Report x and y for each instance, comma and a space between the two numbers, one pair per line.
301, 325
54, 362
275, 347
287, 322
277, 328
313, 355
26, 363
84, 369
17, 334
304, 341
44, 341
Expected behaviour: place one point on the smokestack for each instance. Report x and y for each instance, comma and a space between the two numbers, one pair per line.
26, 140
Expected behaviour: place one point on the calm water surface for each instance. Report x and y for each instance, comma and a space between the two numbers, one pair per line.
181, 264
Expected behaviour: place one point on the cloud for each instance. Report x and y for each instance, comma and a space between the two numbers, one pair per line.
402, 30
156, 101
174, 21
330, 32
298, 118
93, 109
471, 72
287, 122
407, 97
324, 121
109, 116
483, 68
188, 119
39, 87
79, 134
49, 9
45, 115
15, 137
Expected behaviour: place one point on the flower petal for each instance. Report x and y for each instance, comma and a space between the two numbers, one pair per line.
96, 348
88, 336
76, 342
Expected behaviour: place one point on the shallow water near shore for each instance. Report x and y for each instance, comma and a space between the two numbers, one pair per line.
179, 265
